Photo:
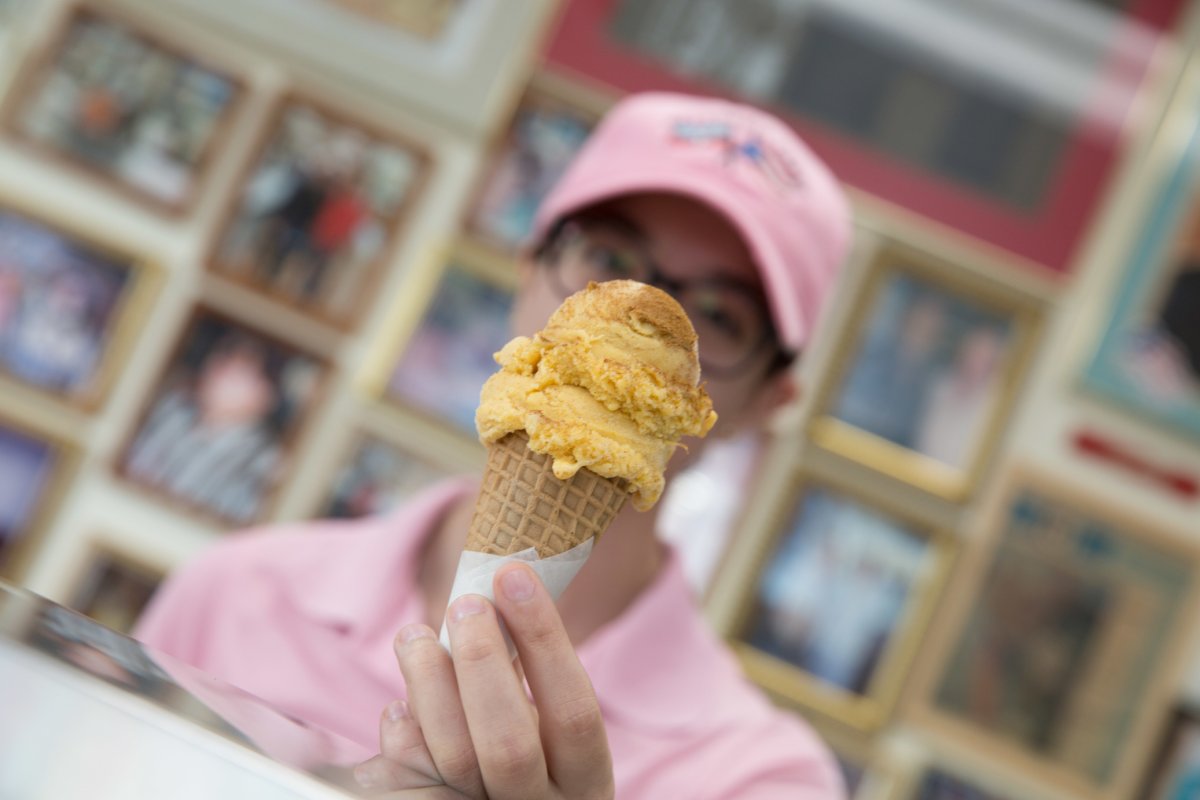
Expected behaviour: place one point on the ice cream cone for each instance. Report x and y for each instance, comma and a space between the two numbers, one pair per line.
521, 503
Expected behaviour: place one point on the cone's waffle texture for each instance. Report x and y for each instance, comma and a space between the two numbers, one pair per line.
521, 504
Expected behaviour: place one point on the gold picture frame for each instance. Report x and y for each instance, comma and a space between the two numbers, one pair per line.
143, 169
57, 462
860, 686
347, 181
260, 434
558, 113
1090, 607
459, 283
123, 302
974, 339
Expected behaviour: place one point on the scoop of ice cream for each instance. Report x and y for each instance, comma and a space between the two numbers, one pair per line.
611, 383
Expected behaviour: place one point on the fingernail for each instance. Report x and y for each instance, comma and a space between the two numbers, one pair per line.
413, 632
364, 778
517, 584
466, 606
397, 710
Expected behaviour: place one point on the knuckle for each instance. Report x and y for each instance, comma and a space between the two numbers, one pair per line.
580, 720
514, 759
458, 766
423, 657
474, 650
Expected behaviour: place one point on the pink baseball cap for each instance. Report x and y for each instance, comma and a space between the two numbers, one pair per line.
742, 162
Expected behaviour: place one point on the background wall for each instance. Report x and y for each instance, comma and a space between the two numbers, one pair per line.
455, 98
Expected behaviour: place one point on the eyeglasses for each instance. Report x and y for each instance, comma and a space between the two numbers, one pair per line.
730, 317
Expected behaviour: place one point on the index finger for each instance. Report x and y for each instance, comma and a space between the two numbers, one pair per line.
572, 728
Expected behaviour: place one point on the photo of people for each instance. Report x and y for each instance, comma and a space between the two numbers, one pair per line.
114, 591
449, 356
424, 19
118, 102
59, 304
838, 588
938, 785
218, 434
377, 477
940, 360
318, 211
1025, 648
27, 466
1065, 591
1177, 774
1150, 355
544, 135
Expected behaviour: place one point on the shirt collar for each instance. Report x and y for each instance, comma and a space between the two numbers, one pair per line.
356, 587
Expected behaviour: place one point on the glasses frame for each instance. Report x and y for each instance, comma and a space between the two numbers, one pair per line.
550, 254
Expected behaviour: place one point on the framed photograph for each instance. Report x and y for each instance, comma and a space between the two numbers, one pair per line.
550, 124
1175, 774
219, 432
926, 373
998, 123
1059, 657
460, 63
424, 19
115, 587
439, 365
1148, 358
125, 104
843, 593
69, 306
377, 476
320, 209
34, 469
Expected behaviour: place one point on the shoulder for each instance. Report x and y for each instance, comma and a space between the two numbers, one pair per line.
239, 575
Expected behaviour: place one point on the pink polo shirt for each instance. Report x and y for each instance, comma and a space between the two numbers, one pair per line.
303, 616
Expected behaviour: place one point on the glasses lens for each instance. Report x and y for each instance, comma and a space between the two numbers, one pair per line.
599, 254
730, 324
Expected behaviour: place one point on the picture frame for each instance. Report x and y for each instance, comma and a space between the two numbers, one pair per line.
71, 303
327, 195
550, 123
1147, 358
218, 434
147, 131
465, 78
1018, 157
871, 567
376, 475
427, 20
424, 364
36, 468
950, 349
115, 585
1174, 773
1089, 605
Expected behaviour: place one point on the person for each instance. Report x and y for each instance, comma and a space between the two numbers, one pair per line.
210, 443
719, 204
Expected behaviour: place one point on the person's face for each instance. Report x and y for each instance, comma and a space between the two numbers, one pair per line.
922, 327
981, 355
234, 388
687, 241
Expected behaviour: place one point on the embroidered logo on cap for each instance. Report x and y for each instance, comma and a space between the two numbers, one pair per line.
745, 148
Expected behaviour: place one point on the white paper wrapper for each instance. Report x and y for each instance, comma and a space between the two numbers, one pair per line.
476, 570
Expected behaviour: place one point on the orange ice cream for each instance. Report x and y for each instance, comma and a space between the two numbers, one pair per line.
611, 384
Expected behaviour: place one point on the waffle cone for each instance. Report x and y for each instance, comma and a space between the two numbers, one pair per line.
521, 503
